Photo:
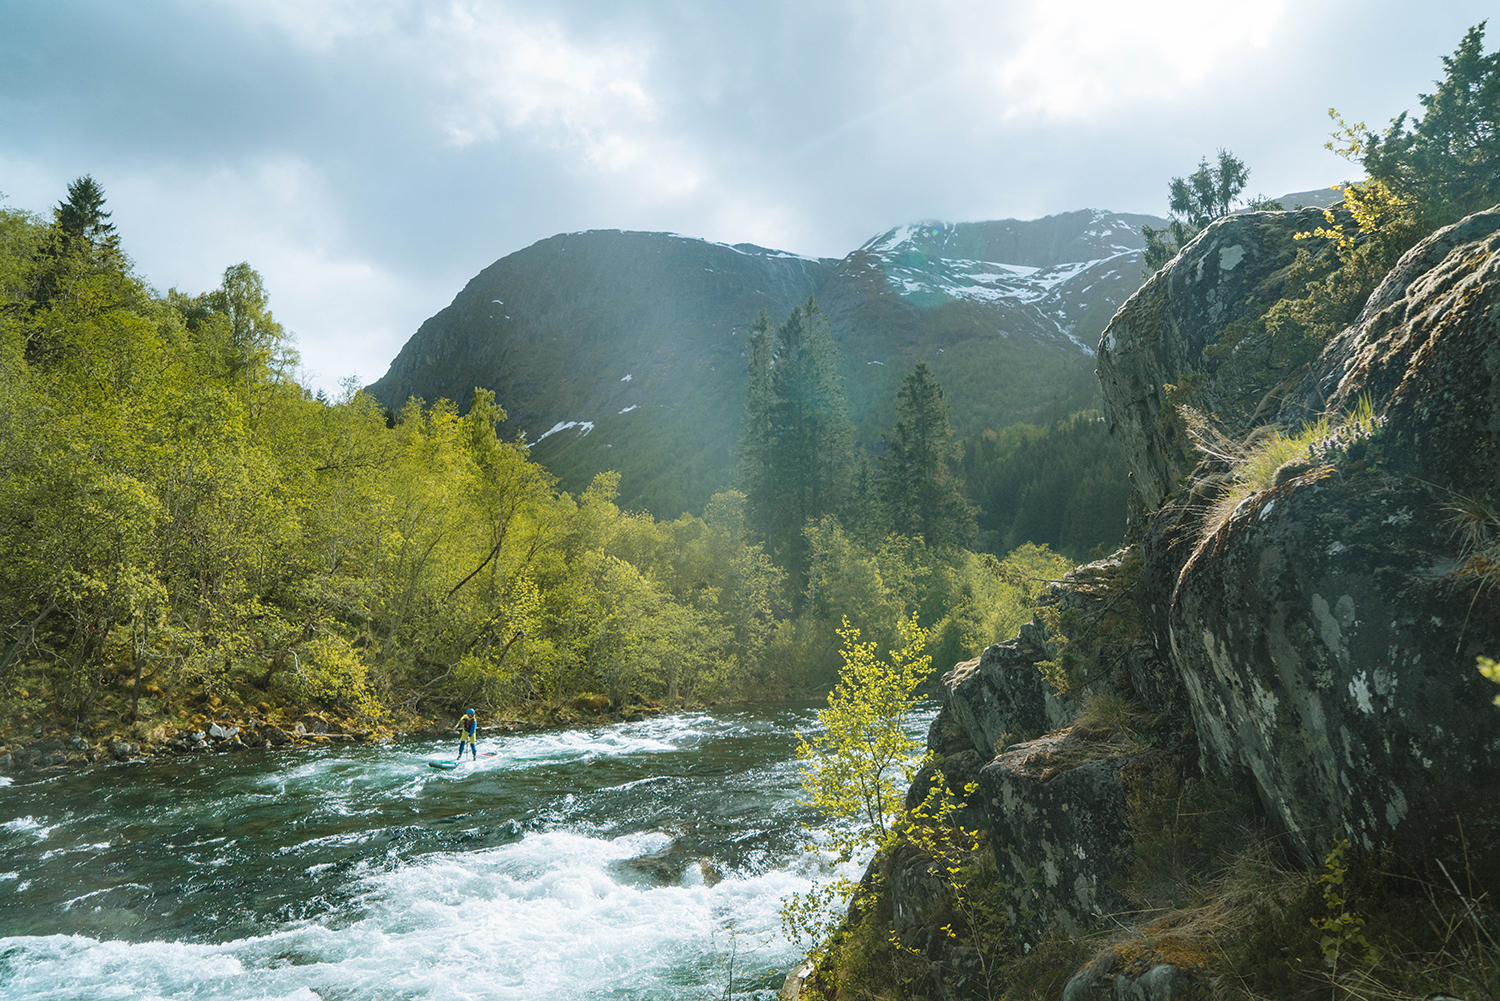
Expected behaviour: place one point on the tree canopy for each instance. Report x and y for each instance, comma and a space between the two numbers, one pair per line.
1195, 201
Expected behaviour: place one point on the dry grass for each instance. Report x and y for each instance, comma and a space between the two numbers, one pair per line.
1268, 456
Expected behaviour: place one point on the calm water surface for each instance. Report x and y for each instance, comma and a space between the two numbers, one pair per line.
630, 861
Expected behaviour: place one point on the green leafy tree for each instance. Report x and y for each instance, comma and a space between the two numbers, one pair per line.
1194, 202
858, 766
922, 496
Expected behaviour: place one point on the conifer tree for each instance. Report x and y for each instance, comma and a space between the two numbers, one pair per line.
796, 445
1195, 201
921, 495
82, 216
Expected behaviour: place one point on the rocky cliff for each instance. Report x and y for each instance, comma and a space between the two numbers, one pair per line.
1298, 661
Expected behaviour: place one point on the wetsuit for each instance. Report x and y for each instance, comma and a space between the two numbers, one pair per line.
469, 735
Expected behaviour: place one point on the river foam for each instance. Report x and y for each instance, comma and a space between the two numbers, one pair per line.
634, 862
549, 916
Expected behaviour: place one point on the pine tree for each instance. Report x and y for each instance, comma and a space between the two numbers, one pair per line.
1445, 164
921, 495
1194, 202
796, 446
82, 216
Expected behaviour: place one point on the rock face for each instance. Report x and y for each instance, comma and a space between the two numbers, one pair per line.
1234, 270
1315, 645
1000, 698
1426, 345
1059, 829
1051, 795
1325, 633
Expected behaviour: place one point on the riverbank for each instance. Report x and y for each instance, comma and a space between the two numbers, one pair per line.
220, 729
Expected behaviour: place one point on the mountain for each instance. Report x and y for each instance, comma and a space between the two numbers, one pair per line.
623, 350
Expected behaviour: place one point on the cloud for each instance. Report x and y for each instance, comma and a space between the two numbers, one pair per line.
1083, 59
370, 156
349, 311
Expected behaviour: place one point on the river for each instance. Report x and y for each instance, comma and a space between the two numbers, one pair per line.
641, 860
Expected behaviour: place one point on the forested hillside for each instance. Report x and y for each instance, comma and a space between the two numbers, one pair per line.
629, 351
186, 527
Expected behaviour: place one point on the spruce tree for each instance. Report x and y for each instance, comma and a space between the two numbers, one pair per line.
82, 216
921, 494
796, 447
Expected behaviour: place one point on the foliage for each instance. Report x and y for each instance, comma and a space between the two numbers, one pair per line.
797, 433
1062, 485
1272, 455
182, 520
1342, 930
1194, 202
858, 765
1426, 172
968, 874
921, 495
1491, 670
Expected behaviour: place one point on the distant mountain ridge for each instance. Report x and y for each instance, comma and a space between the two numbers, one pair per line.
626, 350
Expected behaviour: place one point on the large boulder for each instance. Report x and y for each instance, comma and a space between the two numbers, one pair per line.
1325, 633
1328, 652
1232, 271
1060, 831
1000, 697
1426, 352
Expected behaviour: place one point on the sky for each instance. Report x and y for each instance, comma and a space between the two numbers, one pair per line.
369, 157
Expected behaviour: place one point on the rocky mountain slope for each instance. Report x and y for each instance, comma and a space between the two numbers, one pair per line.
1286, 673
625, 351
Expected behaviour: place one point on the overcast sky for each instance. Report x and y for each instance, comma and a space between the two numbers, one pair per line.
369, 157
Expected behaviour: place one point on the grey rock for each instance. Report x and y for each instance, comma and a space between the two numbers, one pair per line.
1060, 833
276, 737
217, 732
1323, 636
1325, 656
122, 750
1162, 982
1233, 270
1000, 697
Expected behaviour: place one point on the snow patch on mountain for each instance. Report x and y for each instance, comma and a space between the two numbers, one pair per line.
584, 426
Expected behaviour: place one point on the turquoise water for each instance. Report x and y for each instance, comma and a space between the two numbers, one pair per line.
633, 861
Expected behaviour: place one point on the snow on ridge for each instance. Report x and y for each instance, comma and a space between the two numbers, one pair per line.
891, 239
587, 426
1082, 346
990, 281
630, 408
628, 377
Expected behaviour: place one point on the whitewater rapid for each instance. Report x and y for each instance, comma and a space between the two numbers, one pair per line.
636, 861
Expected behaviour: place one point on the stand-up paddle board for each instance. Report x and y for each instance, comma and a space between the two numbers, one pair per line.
448, 766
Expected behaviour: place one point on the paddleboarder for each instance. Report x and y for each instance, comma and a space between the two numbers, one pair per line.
468, 727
